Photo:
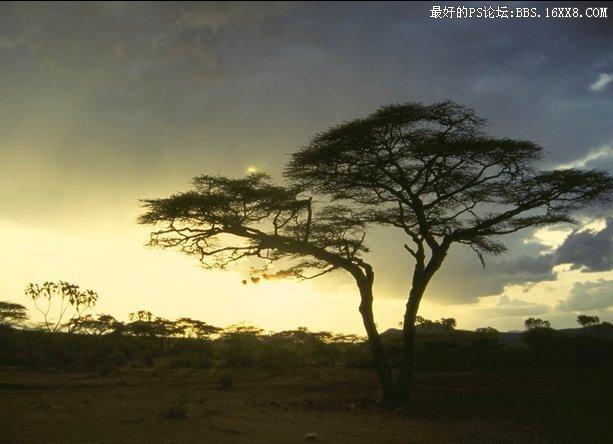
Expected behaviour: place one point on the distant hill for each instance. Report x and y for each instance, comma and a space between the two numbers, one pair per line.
604, 330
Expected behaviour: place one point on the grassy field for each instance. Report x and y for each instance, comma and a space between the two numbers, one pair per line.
324, 405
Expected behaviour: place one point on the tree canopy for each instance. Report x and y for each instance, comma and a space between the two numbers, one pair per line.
432, 171
12, 314
54, 300
225, 220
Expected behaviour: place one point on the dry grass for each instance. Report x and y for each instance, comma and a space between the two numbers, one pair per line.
323, 405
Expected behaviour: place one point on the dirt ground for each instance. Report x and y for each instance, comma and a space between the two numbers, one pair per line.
327, 405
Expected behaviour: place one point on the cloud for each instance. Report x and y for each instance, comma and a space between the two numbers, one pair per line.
192, 39
514, 307
601, 82
588, 250
534, 266
592, 159
589, 296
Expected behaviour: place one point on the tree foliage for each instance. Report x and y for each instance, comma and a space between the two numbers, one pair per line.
56, 300
536, 323
193, 328
95, 324
222, 221
12, 314
433, 172
587, 321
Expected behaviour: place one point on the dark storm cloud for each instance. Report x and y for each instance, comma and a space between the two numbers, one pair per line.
588, 250
125, 98
585, 250
539, 266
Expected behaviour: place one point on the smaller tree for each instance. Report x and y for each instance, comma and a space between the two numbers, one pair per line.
12, 314
424, 325
95, 324
54, 299
240, 344
487, 331
448, 324
588, 321
192, 328
534, 323
144, 323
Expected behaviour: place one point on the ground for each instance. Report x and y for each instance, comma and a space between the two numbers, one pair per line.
330, 405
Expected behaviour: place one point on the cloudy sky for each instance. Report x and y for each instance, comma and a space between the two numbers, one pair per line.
102, 104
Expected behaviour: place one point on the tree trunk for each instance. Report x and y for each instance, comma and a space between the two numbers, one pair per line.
421, 276
374, 340
405, 377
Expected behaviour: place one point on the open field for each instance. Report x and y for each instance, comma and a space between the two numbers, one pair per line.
323, 405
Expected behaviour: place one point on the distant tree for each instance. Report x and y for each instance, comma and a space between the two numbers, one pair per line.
12, 314
144, 323
191, 328
54, 300
241, 329
486, 341
154, 329
587, 321
347, 339
432, 172
95, 324
448, 324
487, 331
534, 323
141, 315
419, 320
240, 343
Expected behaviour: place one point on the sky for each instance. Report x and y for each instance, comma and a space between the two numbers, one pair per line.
103, 104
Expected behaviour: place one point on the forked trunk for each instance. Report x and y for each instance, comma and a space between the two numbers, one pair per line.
421, 276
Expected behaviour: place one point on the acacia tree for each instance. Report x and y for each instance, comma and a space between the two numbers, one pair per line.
222, 221
536, 323
97, 325
12, 314
192, 328
56, 300
432, 172
587, 321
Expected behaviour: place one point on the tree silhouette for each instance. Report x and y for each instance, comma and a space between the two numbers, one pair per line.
95, 324
587, 321
54, 299
222, 221
449, 324
192, 328
432, 172
535, 323
12, 314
